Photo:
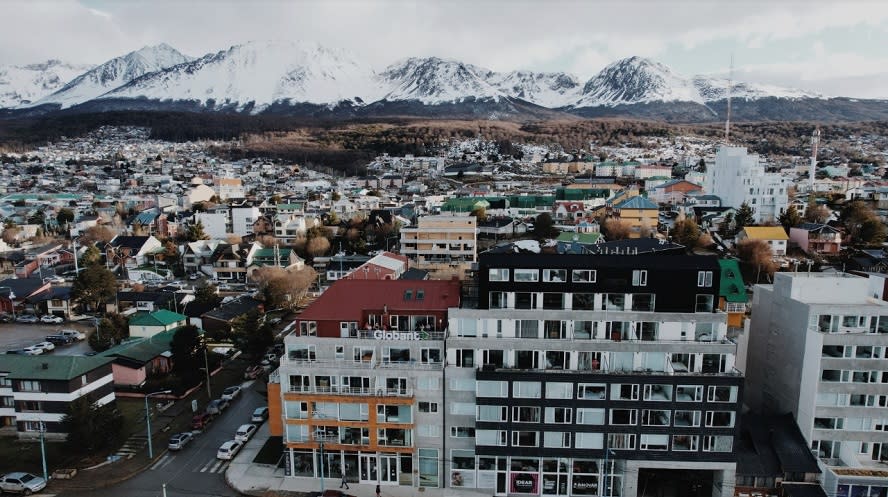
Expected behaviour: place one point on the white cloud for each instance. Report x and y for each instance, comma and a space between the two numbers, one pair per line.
573, 35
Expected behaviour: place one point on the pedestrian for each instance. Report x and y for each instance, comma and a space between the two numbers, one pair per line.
344, 481
377, 491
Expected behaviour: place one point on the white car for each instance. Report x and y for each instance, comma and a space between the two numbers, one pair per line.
32, 350
231, 393
259, 415
27, 318
228, 450
46, 346
21, 483
244, 433
73, 334
51, 319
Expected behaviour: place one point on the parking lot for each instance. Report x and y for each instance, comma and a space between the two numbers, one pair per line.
15, 336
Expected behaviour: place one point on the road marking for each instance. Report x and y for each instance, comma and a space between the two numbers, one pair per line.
207, 465
162, 462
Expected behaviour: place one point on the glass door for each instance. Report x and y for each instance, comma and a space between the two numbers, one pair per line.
369, 473
388, 469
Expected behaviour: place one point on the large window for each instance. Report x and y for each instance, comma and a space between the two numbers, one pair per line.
303, 353
720, 419
428, 468
717, 443
591, 391
526, 328
589, 440
722, 394
525, 439
704, 278
623, 417
705, 303
624, 391
490, 437
527, 275
487, 388
498, 300
525, 300
556, 390
654, 442
643, 302
553, 301
583, 276
522, 414
526, 389
558, 415
583, 302
556, 439
498, 274
587, 416
554, 275
614, 302
688, 419
492, 413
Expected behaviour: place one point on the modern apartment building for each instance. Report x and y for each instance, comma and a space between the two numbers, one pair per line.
602, 375
738, 177
450, 240
361, 383
817, 348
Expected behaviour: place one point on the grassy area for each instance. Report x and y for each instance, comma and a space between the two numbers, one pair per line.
270, 453
25, 456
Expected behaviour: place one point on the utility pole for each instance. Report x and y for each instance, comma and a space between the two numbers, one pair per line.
43, 450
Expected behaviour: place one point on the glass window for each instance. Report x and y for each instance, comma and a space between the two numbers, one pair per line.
559, 415
643, 302
526, 389
589, 416
527, 275
591, 391
589, 440
623, 417
525, 439
428, 468
492, 413
704, 278
487, 388
554, 275
491, 437
498, 300
498, 274
583, 276
526, 328
655, 417
704, 303
614, 302
553, 301
654, 442
583, 302
624, 391
639, 277
556, 390
689, 393
522, 414
685, 442
722, 394
525, 300
428, 406
556, 439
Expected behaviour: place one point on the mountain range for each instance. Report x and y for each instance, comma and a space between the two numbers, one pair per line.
308, 79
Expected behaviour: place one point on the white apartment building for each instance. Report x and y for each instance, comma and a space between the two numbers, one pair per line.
739, 177
817, 348
441, 239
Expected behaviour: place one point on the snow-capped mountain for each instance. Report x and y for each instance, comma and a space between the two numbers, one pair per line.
117, 71
21, 85
551, 90
637, 80
712, 89
433, 81
258, 74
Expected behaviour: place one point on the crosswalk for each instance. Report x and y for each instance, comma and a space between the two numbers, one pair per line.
214, 465
132, 445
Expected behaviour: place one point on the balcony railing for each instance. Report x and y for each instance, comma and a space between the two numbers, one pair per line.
369, 364
639, 371
343, 390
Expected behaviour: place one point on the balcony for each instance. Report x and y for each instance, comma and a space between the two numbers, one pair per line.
346, 390
487, 368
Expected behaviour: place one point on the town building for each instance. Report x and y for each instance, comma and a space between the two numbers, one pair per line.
441, 240
738, 177
147, 324
639, 213
774, 236
816, 349
35, 391
361, 383
816, 238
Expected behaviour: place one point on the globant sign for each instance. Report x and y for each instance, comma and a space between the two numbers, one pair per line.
403, 335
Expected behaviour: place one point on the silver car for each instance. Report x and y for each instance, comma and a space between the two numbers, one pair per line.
21, 483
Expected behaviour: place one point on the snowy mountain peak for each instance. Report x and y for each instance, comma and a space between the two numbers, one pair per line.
21, 85
432, 80
115, 72
546, 89
260, 73
637, 80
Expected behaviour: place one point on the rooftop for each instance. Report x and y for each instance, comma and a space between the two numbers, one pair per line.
50, 367
162, 317
347, 300
765, 233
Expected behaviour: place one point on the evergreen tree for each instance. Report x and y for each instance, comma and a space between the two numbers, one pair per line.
790, 218
745, 217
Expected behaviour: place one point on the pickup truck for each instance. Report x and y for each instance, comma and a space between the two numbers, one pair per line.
21, 483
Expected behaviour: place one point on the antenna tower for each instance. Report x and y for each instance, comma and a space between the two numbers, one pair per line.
730, 85
815, 140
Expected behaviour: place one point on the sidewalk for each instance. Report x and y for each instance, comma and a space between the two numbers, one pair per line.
264, 480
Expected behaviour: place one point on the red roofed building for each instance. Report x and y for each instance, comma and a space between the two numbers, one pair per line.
351, 307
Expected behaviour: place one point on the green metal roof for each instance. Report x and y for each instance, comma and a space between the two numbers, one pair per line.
731, 283
162, 317
142, 349
268, 253
57, 367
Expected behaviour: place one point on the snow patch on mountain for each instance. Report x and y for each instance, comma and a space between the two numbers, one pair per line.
551, 90
637, 80
261, 73
432, 81
21, 85
114, 73
712, 89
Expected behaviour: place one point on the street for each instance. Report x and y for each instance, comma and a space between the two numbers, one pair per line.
194, 471
15, 336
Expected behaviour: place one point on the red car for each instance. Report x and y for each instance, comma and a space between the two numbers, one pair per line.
200, 421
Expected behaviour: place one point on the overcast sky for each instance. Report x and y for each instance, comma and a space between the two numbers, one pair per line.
833, 47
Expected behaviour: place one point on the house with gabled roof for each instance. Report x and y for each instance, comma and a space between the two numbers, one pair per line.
137, 359
130, 251
384, 266
640, 214
146, 324
774, 236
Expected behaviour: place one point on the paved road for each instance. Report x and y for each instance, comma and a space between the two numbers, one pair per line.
194, 471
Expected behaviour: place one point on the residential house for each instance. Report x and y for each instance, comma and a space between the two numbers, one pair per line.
147, 324
383, 266
197, 256
228, 188
35, 391
229, 262
138, 359
501, 226
259, 257
815, 238
673, 191
221, 319
215, 223
448, 240
774, 236
199, 194
568, 211
639, 213
16, 292
130, 251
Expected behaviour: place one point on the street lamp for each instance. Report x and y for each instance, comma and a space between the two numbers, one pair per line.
148, 420
43, 450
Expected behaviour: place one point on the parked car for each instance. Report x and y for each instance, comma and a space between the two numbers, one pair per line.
259, 415
46, 346
5, 318
32, 350
27, 318
245, 432
253, 372
58, 339
21, 483
180, 440
51, 319
229, 449
231, 392
201, 421
73, 334
216, 406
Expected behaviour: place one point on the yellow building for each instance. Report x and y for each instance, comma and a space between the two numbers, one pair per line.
441, 239
639, 213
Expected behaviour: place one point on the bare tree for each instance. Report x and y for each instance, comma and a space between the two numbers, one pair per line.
617, 229
318, 246
757, 258
281, 287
